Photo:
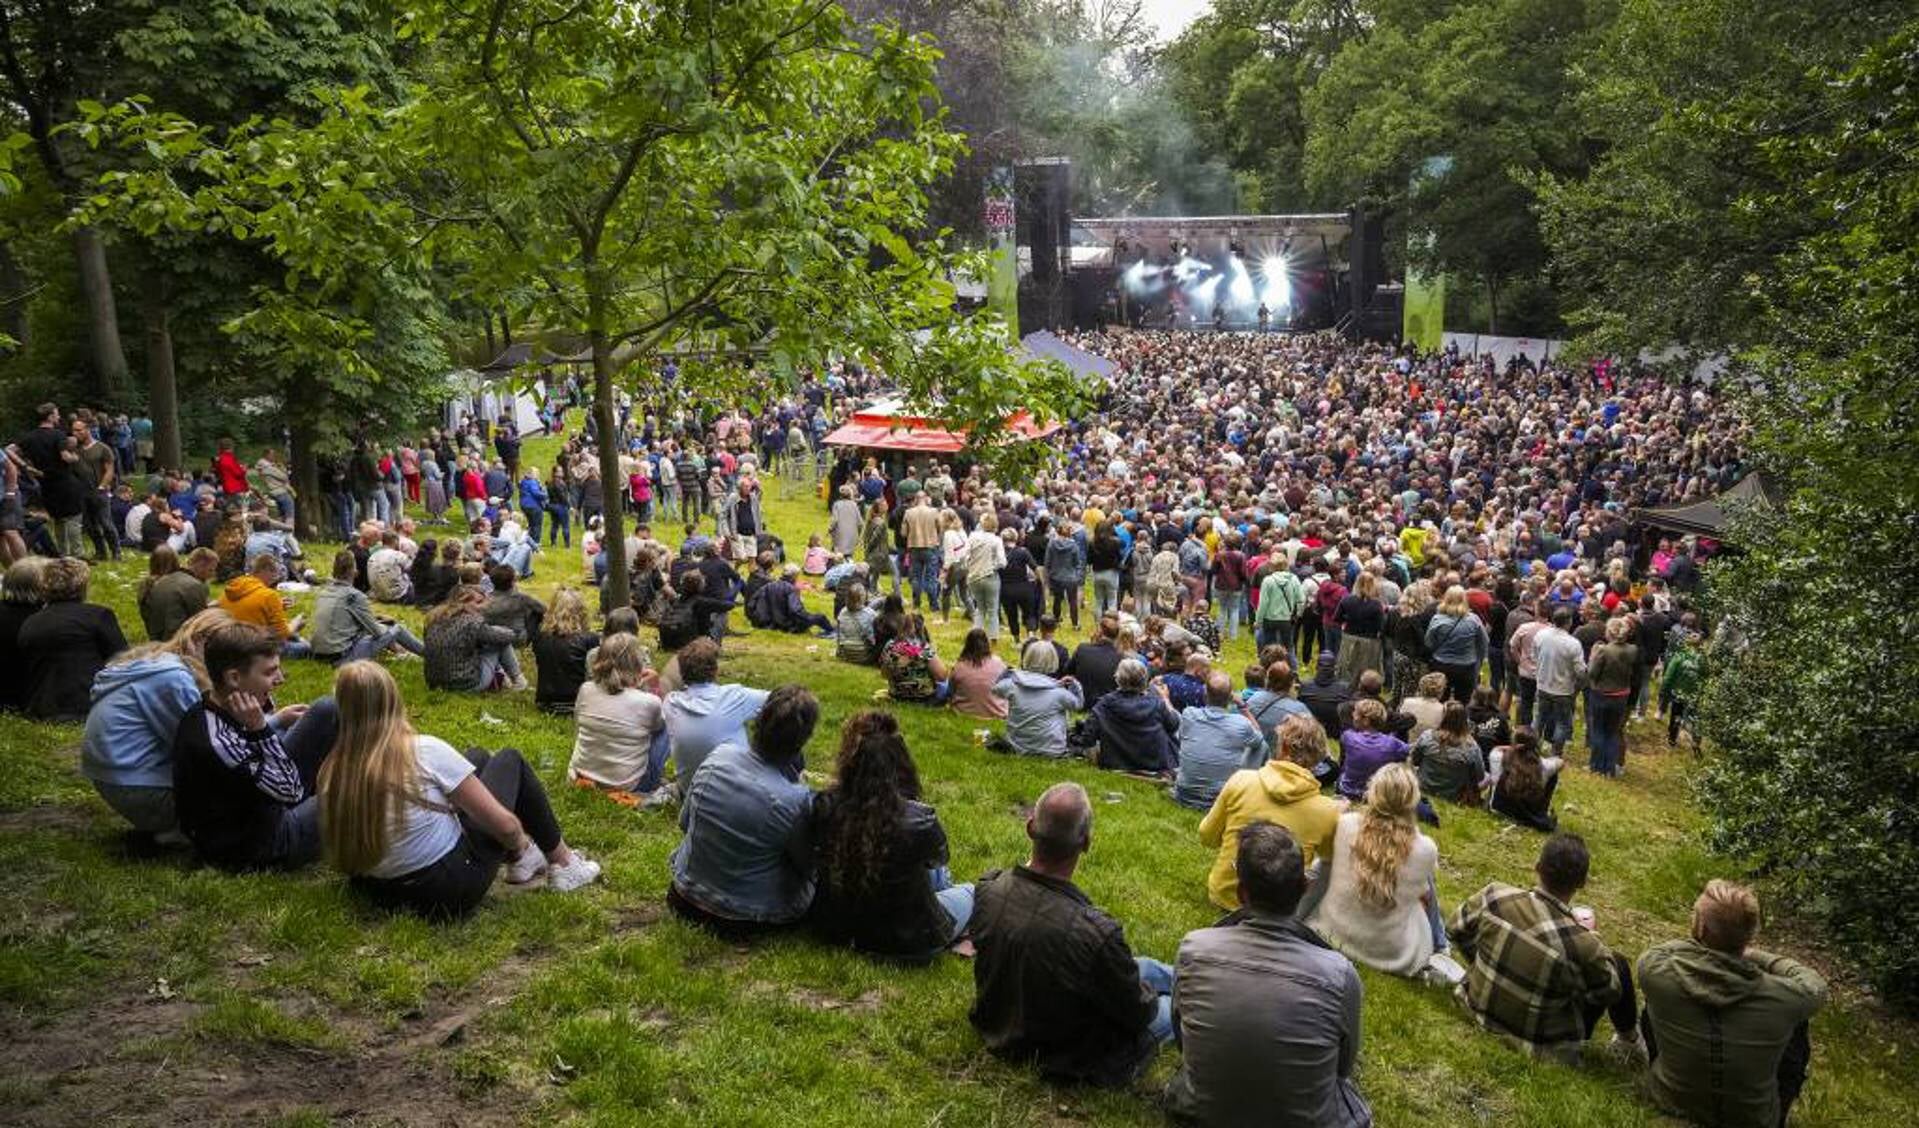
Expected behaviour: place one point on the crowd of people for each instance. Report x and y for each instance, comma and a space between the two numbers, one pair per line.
1433, 559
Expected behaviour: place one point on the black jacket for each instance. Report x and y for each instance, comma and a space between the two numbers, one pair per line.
1055, 982
899, 916
1137, 732
232, 811
65, 644
561, 662
1094, 665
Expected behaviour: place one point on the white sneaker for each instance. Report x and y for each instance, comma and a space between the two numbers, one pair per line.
526, 867
582, 870
517, 683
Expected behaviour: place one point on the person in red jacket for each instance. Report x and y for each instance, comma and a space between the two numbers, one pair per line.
232, 472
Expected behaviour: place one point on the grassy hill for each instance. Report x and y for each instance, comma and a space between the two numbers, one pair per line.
147, 990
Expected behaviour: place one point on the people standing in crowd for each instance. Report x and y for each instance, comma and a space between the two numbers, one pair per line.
1055, 983
985, 557
1536, 970
1611, 674
1727, 1024
1268, 1014
881, 854
1459, 644
1561, 664
418, 827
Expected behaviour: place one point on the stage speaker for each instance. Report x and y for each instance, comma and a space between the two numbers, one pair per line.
1365, 256
1044, 190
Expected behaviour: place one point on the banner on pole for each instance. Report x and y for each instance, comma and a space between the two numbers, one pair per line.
1002, 247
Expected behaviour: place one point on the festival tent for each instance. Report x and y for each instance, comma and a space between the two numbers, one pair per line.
887, 425
1088, 367
1708, 517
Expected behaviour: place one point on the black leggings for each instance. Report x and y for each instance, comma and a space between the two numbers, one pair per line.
1015, 602
1623, 1011
457, 883
1070, 596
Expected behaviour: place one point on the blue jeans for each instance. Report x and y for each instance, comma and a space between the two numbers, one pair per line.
1282, 632
496, 661
284, 503
519, 557
535, 519
371, 646
562, 526
1159, 977
1555, 720
1607, 737
1105, 592
957, 900
655, 763
985, 593
1329, 643
1232, 611
925, 575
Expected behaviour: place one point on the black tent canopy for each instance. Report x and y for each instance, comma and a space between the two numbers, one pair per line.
1708, 517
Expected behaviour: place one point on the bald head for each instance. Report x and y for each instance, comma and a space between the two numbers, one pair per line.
1061, 825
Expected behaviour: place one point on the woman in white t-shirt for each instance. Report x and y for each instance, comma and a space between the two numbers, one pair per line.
619, 739
416, 825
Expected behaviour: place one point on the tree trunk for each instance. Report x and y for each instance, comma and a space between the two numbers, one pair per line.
613, 518
309, 507
506, 331
492, 349
103, 326
1492, 303
163, 396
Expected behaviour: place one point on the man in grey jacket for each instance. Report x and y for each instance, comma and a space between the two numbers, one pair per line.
1562, 670
1267, 1014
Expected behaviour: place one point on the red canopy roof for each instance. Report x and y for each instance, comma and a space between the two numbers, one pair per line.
885, 426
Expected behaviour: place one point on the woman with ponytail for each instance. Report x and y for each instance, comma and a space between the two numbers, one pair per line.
417, 826
1378, 899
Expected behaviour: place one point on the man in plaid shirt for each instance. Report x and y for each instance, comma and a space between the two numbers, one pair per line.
1535, 972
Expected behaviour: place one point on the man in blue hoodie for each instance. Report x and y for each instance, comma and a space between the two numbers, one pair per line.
705, 714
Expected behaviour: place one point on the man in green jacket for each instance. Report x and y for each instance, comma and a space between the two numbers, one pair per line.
1679, 684
1725, 1022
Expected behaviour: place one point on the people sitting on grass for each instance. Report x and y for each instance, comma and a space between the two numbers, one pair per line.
777, 606
1520, 782
1490, 725
1095, 662
687, 613
703, 714
1038, 705
912, 665
173, 590
619, 741
387, 576
255, 598
344, 626
1426, 706
1282, 791
512, 608
137, 702
972, 677
1270, 699
18, 603
560, 651
1365, 748
854, 628
1536, 971
466, 653
1375, 897
420, 828
745, 866
1134, 728
1055, 983
243, 771
64, 644
1326, 697
1269, 1015
881, 862
1726, 1024
1448, 759
1216, 740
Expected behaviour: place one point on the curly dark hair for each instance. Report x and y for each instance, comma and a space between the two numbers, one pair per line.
875, 778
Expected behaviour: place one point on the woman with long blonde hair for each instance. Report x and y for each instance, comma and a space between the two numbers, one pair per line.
416, 825
619, 740
1459, 643
1378, 904
560, 651
137, 702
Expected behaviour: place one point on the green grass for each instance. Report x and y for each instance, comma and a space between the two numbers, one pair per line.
601, 1007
